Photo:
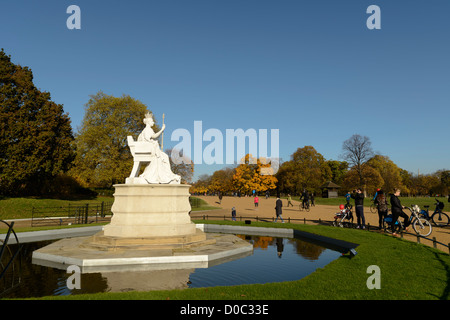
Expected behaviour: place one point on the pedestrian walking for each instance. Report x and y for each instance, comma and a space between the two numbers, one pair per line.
278, 211
256, 201
289, 199
233, 214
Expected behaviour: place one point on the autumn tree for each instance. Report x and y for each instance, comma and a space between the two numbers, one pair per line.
372, 177
222, 180
103, 156
249, 176
407, 181
35, 133
444, 177
201, 186
426, 184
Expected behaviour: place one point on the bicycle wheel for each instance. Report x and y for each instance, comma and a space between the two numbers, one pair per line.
440, 219
373, 208
337, 223
387, 227
422, 227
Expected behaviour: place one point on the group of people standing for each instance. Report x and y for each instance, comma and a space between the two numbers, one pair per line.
381, 201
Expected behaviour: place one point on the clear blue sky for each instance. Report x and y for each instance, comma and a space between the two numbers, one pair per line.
311, 69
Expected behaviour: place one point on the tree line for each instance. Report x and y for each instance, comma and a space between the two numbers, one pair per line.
41, 155
308, 170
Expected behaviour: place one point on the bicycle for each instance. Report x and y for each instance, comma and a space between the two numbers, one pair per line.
439, 218
304, 206
373, 206
421, 226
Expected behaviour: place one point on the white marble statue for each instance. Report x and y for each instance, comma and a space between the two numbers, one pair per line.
146, 150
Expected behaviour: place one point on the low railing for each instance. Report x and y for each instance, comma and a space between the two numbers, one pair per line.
10, 261
71, 214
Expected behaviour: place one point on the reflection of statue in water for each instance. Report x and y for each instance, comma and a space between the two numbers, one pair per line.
146, 150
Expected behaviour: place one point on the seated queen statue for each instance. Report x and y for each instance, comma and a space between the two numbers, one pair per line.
146, 150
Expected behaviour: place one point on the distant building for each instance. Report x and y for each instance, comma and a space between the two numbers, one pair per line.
330, 190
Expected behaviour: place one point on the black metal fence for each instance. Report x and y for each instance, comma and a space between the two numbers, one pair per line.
71, 214
80, 213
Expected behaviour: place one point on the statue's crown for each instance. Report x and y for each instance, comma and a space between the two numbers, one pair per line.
148, 115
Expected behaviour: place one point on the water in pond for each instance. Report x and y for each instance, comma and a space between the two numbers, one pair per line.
273, 260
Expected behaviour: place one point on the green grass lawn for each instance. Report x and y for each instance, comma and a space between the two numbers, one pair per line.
202, 205
408, 271
21, 208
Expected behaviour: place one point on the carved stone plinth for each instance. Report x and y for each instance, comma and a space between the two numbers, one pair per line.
150, 210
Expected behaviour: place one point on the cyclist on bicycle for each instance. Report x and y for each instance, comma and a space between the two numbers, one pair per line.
305, 196
396, 208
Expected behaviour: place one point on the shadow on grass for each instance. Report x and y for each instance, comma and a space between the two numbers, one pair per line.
446, 293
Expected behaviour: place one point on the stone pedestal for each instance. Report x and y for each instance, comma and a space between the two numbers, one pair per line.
150, 230
150, 210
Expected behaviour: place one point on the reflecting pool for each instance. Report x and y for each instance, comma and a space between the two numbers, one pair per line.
274, 259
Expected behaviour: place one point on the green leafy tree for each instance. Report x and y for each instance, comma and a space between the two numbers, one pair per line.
35, 133
103, 157
338, 170
307, 169
222, 180
389, 171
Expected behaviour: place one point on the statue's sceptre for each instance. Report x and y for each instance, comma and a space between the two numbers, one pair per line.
162, 137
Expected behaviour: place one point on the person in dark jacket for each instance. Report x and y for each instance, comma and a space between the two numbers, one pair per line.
233, 214
382, 206
359, 208
397, 211
278, 211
